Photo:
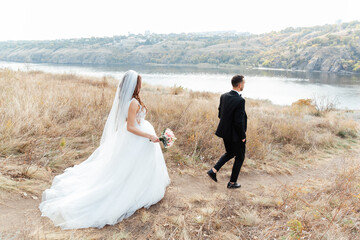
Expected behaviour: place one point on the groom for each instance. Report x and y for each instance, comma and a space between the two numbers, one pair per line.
232, 129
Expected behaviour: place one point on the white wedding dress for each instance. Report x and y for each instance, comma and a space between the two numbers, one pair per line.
125, 173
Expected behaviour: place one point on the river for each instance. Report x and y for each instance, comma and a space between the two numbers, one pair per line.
279, 86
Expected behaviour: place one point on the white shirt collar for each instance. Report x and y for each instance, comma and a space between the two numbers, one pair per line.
237, 91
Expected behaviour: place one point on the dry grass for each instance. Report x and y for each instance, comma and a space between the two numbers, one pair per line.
314, 210
49, 122
57, 120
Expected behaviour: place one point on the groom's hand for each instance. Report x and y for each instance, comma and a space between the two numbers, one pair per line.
244, 139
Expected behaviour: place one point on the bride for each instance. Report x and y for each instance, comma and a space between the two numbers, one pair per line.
125, 173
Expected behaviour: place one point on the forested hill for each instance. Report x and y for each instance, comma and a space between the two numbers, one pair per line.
332, 48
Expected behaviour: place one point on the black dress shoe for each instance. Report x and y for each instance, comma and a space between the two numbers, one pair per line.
212, 175
233, 185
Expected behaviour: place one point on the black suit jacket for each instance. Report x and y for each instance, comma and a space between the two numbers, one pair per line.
233, 118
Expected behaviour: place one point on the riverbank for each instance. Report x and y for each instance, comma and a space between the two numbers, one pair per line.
205, 67
53, 121
279, 136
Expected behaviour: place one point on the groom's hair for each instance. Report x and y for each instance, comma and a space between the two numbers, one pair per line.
236, 80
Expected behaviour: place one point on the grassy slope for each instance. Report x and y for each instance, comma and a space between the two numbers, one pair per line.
50, 122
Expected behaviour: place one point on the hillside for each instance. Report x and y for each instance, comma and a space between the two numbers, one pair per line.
300, 178
329, 48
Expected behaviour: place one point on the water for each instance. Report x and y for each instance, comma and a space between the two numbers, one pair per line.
280, 87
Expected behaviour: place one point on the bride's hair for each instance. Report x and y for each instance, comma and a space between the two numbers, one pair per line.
137, 91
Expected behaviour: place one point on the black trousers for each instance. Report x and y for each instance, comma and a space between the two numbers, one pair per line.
233, 149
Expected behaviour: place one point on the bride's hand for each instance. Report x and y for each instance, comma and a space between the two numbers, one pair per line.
154, 139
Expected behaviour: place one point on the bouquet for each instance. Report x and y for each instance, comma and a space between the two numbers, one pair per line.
167, 138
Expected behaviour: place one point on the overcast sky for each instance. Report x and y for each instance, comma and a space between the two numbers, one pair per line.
55, 19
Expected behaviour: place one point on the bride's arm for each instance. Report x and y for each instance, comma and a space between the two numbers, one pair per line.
131, 123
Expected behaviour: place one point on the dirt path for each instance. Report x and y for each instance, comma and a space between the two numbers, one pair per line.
20, 217
326, 169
